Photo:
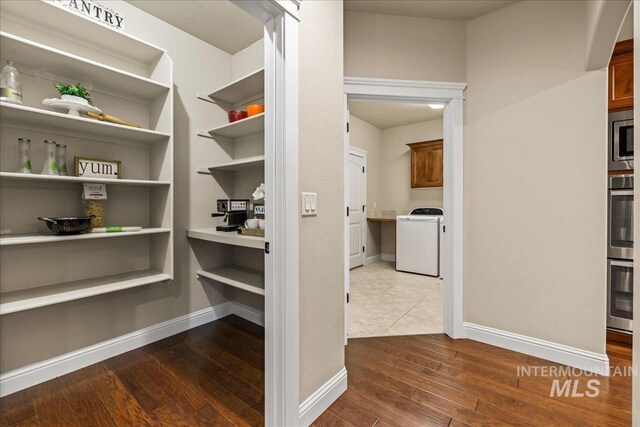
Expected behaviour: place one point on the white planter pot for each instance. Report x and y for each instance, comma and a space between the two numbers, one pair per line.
74, 98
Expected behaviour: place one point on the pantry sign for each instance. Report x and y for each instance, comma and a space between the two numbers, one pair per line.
92, 10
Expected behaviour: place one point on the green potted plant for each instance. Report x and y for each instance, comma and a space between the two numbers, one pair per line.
74, 93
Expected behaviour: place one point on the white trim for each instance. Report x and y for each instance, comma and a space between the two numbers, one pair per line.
357, 151
251, 314
388, 257
372, 259
547, 350
451, 95
322, 398
39, 372
282, 376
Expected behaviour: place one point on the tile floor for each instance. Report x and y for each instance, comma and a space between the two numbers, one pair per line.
384, 301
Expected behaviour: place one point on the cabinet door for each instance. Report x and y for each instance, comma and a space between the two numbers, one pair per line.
426, 164
621, 76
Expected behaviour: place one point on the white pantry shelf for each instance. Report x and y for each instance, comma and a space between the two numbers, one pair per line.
226, 237
77, 69
26, 299
240, 128
235, 165
52, 18
11, 114
37, 178
238, 277
241, 90
28, 239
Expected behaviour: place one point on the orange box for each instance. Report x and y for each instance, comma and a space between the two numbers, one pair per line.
253, 109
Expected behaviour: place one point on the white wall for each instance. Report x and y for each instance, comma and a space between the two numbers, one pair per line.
402, 47
35, 335
535, 176
321, 171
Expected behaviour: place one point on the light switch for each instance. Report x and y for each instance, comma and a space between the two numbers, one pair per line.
309, 202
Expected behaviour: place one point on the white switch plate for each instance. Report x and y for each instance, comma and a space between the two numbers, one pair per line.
309, 204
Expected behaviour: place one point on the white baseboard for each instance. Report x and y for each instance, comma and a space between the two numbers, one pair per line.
559, 353
388, 257
321, 399
46, 370
248, 313
372, 259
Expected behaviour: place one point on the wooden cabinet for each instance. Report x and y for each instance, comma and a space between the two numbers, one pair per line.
426, 164
621, 76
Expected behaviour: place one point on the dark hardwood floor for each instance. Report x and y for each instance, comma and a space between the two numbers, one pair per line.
432, 380
213, 375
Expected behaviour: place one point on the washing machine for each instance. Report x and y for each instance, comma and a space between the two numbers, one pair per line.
418, 238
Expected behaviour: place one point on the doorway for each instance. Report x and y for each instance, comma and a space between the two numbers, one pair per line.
449, 95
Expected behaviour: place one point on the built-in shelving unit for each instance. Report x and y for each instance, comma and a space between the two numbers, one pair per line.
26, 299
29, 239
38, 56
128, 78
37, 179
227, 238
240, 91
20, 115
245, 127
238, 277
235, 165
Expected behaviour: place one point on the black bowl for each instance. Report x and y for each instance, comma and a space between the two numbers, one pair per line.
68, 224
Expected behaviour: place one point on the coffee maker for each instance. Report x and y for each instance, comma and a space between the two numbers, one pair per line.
235, 212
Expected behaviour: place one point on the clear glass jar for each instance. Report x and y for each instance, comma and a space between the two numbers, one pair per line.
10, 84
24, 156
61, 159
50, 167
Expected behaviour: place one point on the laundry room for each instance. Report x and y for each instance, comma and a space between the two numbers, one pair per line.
395, 203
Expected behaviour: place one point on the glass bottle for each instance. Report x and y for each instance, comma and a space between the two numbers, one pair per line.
10, 84
61, 159
24, 156
50, 167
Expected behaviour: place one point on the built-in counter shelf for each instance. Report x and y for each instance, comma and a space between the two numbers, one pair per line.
12, 114
249, 126
38, 178
237, 277
381, 219
235, 165
28, 239
26, 299
227, 238
241, 91
39, 57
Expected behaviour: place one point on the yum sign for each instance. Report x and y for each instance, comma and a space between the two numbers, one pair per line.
96, 168
92, 10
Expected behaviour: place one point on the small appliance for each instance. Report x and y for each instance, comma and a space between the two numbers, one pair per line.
621, 140
418, 241
235, 212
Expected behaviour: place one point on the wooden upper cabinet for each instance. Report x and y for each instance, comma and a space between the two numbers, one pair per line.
426, 164
621, 76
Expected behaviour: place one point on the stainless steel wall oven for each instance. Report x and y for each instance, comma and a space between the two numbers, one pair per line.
620, 252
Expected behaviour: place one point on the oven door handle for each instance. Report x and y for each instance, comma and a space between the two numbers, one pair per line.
621, 192
621, 263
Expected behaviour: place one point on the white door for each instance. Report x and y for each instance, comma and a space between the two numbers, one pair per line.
356, 209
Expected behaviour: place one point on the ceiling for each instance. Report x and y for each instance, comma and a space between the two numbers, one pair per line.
385, 115
219, 23
460, 10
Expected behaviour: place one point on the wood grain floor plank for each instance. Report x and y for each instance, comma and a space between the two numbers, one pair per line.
230, 406
86, 404
329, 419
355, 414
121, 405
244, 325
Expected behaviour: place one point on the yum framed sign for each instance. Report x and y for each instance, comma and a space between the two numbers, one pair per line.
97, 168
